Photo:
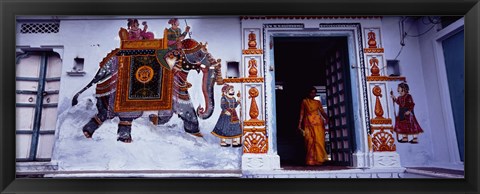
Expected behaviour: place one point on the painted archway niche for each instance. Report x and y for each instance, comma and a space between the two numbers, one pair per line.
365, 139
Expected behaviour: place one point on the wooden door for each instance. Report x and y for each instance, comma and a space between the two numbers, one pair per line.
340, 126
37, 88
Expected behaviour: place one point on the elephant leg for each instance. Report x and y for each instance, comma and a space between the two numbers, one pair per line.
124, 130
190, 120
97, 120
163, 117
92, 126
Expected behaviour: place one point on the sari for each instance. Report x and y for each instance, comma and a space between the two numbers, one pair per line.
314, 132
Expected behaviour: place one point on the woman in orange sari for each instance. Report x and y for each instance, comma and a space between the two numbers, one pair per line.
313, 129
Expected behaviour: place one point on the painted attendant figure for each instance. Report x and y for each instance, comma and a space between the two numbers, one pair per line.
406, 122
175, 35
228, 124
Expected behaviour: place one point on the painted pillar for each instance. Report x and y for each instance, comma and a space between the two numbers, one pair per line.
257, 151
381, 137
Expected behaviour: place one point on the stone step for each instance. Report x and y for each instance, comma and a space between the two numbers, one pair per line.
436, 172
146, 173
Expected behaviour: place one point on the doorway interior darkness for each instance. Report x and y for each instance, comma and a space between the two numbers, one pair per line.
300, 63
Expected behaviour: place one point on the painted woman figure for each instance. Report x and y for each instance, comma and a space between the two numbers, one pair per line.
135, 33
313, 129
175, 35
228, 124
406, 122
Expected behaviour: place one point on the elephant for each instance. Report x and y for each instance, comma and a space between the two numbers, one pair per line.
192, 56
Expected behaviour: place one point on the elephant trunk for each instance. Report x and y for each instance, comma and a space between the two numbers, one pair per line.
209, 78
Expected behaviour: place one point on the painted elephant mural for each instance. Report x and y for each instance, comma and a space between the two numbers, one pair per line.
146, 75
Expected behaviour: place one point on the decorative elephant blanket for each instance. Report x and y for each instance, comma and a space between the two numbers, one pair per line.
145, 85
141, 78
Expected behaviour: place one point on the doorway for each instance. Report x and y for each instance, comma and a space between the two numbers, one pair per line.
37, 89
300, 63
453, 50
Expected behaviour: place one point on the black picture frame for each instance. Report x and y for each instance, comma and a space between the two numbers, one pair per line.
9, 9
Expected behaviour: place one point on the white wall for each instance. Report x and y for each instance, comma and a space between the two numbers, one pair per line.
419, 66
445, 149
410, 67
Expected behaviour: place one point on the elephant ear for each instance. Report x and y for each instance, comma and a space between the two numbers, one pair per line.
161, 55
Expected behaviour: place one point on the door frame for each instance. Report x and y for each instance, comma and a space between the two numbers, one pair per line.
352, 31
452, 29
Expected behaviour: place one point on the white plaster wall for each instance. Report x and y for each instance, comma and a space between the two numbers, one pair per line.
445, 149
412, 60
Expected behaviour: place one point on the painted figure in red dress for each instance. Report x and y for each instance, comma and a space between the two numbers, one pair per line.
405, 122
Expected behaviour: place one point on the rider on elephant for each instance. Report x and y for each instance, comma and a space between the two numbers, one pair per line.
175, 35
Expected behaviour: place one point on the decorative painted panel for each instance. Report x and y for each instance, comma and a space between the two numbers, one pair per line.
254, 104
372, 40
254, 123
244, 80
376, 65
385, 78
255, 140
383, 139
252, 52
378, 103
252, 39
252, 67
